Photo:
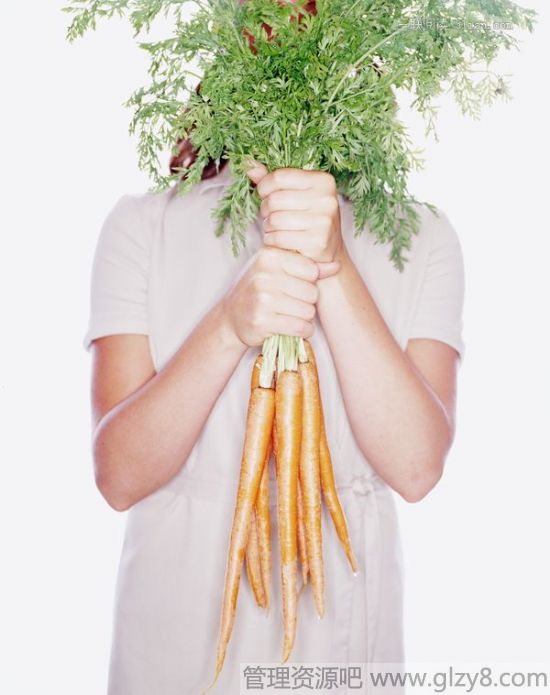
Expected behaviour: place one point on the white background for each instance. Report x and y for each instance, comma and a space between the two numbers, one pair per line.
477, 567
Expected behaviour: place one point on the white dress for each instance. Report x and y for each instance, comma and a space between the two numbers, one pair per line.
157, 269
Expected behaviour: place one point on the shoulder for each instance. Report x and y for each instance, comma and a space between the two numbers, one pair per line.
433, 228
136, 217
436, 227
435, 240
440, 262
444, 248
133, 218
203, 195
436, 304
145, 207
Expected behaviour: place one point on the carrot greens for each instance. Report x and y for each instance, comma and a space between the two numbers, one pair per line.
316, 91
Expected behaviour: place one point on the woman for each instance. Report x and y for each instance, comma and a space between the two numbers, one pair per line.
175, 325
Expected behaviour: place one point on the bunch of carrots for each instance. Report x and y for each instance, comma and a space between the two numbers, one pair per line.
285, 417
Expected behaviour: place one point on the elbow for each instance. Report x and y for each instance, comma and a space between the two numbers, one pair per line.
421, 482
106, 479
114, 498
116, 502
424, 475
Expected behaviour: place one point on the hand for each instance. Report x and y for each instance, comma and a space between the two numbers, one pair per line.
276, 294
300, 210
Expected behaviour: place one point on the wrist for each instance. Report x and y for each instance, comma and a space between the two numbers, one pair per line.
341, 257
341, 254
227, 334
332, 287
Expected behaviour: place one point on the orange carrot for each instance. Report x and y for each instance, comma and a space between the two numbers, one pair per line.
255, 376
333, 502
263, 525
327, 480
310, 482
274, 441
253, 564
259, 423
302, 547
262, 516
274, 431
288, 414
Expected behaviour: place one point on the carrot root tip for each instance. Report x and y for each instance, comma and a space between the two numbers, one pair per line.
211, 684
286, 654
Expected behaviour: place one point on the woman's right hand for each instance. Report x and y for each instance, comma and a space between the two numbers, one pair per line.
276, 294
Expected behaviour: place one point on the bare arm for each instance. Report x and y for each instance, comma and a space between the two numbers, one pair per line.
142, 442
402, 418
146, 424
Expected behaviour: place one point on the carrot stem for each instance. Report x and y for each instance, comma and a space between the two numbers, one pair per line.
280, 353
269, 362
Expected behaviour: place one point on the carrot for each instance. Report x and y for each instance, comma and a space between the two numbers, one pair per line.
255, 376
333, 502
311, 483
288, 415
259, 423
253, 564
274, 441
263, 520
327, 480
263, 525
302, 547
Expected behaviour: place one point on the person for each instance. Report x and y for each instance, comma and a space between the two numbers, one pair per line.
174, 327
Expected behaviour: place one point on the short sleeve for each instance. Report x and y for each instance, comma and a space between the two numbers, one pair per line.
119, 277
438, 313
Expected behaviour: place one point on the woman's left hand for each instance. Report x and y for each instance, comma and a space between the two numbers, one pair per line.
301, 211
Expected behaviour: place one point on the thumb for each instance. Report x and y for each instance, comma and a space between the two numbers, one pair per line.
256, 171
326, 270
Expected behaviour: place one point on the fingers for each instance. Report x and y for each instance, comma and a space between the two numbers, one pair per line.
306, 244
257, 171
292, 263
300, 289
296, 179
327, 270
314, 234
299, 179
287, 305
285, 291
293, 220
297, 265
291, 325
287, 200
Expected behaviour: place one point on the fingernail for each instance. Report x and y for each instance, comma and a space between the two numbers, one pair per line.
255, 166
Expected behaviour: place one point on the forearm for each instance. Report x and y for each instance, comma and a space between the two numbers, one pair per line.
398, 421
144, 441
